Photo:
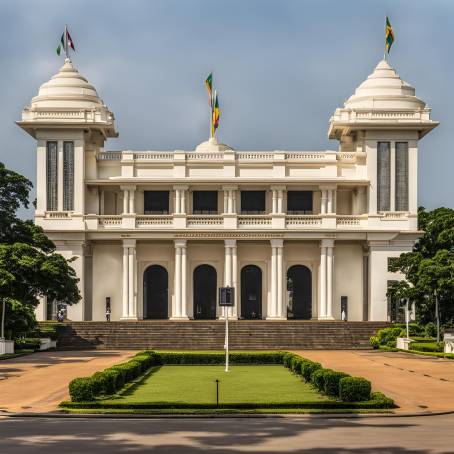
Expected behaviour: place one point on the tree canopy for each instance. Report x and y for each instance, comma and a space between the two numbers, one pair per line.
29, 266
429, 268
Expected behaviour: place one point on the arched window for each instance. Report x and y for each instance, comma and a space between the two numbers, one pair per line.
204, 292
251, 292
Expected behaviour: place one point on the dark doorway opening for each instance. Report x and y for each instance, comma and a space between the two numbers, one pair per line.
155, 293
299, 287
205, 202
204, 292
251, 292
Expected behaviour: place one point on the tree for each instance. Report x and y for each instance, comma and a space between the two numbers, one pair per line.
429, 268
29, 266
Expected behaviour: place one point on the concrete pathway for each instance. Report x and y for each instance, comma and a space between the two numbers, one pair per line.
39, 382
416, 383
307, 434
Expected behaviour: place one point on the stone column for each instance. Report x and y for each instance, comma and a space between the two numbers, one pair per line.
326, 279
329, 283
274, 208
176, 208
101, 201
280, 266
323, 202
230, 271
322, 305
125, 201
280, 197
184, 308
234, 310
129, 278
226, 201
275, 308
179, 308
183, 201
132, 207
125, 282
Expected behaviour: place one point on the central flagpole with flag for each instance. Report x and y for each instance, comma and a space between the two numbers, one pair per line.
389, 37
213, 102
66, 42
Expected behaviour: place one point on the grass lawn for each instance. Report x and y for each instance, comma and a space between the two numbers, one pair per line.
243, 384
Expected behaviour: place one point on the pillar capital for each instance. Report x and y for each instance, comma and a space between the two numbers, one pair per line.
230, 243
327, 242
277, 242
180, 243
129, 242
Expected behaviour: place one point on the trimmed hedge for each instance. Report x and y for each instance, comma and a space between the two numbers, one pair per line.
112, 379
219, 358
332, 383
332, 379
354, 389
427, 346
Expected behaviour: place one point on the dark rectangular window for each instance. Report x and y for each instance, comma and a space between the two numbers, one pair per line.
299, 202
68, 176
401, 176
205, 202
383, 176
252, 202
395, 312
51, 176
156, 202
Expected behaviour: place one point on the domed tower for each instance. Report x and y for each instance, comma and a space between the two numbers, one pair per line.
70, 124
385, 120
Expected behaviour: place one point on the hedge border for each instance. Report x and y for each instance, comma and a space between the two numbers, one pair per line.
86, 391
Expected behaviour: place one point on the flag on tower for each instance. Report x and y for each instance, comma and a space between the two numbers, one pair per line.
216, 112
209, 85
389, 35
65, 42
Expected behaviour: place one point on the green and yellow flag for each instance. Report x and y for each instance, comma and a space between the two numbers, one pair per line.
389, 35
216, 114
209, 85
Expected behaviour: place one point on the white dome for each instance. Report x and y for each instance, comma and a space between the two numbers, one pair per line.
67, 89
212, 145
384, 89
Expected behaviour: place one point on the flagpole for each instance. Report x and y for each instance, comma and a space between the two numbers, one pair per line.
384, 53
211, 106
65, 40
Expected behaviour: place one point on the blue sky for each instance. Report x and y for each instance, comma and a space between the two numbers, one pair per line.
281, 68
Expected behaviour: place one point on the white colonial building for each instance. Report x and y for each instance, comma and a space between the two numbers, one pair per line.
156, 233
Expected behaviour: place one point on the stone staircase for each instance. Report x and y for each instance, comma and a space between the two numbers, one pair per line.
209, 335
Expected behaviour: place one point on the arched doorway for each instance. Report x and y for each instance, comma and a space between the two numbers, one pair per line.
204, 292
251, 292
299, 287
155, 292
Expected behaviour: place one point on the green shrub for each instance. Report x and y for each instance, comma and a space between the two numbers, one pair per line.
374, 342
332, 379
427, 346
430, 330
386, 335
28, 343
219, 358
81, 389
354, 389
287, 357
318, 378
308, 368
381, 401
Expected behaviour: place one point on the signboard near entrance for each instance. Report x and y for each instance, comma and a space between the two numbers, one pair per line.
226, 296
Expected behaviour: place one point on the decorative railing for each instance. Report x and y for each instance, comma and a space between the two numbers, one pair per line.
109, 156
348, 221
306, 156
394, 215
153, 156
201, 156
254, 155
58, 214
303, 221
201, 221
110, 221
254, 221
154, 221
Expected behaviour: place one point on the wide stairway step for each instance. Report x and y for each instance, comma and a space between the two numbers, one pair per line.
209, 335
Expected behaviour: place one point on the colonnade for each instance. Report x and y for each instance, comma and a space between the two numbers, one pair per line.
276, 307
